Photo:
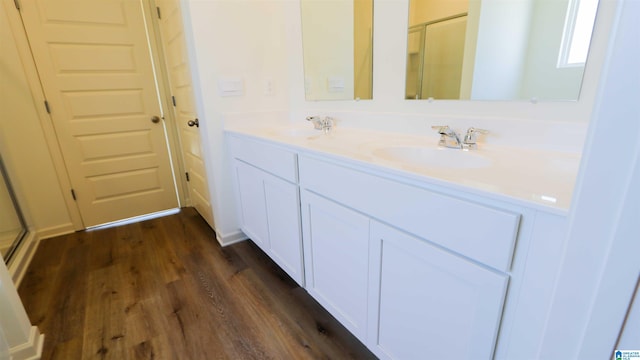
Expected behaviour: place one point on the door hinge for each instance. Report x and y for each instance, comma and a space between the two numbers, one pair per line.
46, 106
173, 100
159, 15
17, 4
73, 194
187, 176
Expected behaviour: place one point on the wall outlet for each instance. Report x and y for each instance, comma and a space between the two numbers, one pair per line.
269, 87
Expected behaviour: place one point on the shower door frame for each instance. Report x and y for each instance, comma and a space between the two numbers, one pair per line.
23, 231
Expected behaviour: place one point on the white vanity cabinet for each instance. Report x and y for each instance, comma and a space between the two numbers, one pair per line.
438, 293
426, 303
268, 199
413, 269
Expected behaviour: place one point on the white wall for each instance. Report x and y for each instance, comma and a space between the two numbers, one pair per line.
238, 39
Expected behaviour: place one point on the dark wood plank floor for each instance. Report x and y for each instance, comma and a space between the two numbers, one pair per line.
165, 289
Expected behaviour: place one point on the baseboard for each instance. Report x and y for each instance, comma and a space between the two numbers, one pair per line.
54, 231
31, 350
22, 257
232, 238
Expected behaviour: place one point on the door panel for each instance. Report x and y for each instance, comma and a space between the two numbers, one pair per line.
94, 63
175, 50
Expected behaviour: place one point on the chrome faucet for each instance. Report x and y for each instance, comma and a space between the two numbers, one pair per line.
325, 124
450, 139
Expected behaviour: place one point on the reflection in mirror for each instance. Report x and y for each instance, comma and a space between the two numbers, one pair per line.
337, 39
498, 50
12, 227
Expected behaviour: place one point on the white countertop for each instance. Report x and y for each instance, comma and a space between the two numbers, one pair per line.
534, 178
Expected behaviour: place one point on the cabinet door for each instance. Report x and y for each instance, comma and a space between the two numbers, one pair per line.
253, 207
283, 221
336, 242
270, 216
429, 304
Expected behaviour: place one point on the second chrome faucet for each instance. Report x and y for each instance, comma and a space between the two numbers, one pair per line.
449, 138
321, 123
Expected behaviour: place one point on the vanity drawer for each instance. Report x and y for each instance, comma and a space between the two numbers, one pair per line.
480, 232
270, 158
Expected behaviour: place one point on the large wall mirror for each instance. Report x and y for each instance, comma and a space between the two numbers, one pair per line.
498, 49
337, 38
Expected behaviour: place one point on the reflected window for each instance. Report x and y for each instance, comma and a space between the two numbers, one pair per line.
581, 15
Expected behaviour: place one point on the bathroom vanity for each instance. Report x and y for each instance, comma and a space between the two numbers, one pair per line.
417, 260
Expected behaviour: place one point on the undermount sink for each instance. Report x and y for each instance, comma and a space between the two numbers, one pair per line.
433, 157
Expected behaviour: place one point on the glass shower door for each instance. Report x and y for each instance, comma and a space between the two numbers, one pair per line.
12, 226
435, 56
443, 57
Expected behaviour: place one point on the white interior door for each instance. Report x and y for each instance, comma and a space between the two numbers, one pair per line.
96, 71
173, 43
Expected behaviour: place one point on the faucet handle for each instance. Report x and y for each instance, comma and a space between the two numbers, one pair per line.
470, 138
316, 120
474, 130
442, 129
472, 134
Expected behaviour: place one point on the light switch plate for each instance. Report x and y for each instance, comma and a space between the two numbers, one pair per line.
230, 87
335, 84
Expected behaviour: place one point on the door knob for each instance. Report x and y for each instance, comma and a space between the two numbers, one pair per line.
192, 123
155, 119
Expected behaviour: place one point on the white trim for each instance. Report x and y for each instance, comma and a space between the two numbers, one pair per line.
135, 219
32, 349
23, 340
22, 257
54, 231
231, 238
